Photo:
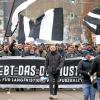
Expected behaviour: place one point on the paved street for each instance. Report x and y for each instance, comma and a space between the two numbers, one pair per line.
41, 95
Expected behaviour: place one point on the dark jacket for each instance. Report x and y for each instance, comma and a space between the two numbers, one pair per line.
4, 53
72, 55
96, 66
84, 67
14, 51
25, 53
54, 62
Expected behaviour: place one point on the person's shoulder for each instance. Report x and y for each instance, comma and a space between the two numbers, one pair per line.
58, 54
97, 57
80, 62
48, 54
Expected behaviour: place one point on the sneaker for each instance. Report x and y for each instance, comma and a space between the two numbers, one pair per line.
55, 96
51, 97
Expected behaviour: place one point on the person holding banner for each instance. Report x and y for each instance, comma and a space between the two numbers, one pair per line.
54, 62
84, 68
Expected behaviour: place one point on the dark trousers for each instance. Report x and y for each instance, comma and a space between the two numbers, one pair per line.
53, 83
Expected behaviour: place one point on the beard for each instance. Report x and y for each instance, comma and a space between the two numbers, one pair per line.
53, 52
40, 51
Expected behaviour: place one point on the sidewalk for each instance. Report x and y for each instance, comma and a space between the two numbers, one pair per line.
41, 95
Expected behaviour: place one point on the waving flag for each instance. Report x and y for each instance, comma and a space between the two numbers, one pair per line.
92, 21
98, 35
49, 26
26, 26
18, 6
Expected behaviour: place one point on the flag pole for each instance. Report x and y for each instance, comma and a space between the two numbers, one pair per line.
9, 19
7, 25
5, 17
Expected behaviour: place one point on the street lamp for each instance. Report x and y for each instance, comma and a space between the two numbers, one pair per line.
72, 1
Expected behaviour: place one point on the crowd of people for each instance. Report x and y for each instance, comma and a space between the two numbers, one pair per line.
55, 55
66, 50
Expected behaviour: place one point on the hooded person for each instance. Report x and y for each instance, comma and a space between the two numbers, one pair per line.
87, 55
84, 68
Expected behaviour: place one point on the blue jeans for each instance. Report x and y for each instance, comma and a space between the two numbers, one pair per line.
89, 91
98, 85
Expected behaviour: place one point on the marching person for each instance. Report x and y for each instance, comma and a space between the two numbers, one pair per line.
96, 68
5, 51
84, 67
53, 64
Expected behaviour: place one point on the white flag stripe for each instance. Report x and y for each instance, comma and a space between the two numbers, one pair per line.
47, 25
97, 39
26, 27
92, 21
94, 15
20, 8
91, 25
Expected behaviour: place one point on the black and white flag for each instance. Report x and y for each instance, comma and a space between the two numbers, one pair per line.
98, 35
49, 26
26, 26
18, 6
92, 21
